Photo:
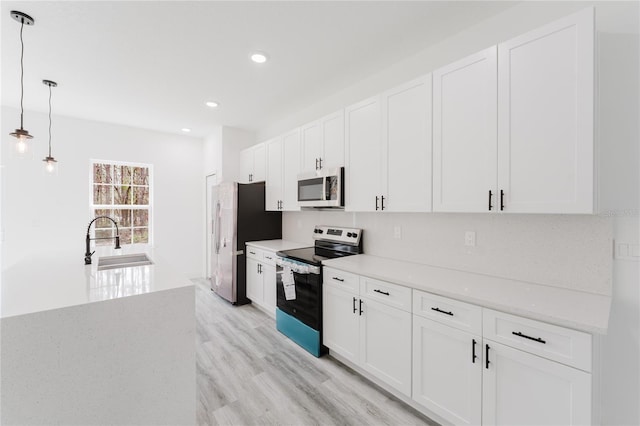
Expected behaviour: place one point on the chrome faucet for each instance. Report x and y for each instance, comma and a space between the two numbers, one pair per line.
88, 253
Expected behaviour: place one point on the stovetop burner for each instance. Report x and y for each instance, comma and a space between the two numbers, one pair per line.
330, 242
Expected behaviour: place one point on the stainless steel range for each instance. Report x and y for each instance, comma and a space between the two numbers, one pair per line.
299, 284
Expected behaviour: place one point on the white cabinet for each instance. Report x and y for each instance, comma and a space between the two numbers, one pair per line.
283, 166
513, 124
274, 179
545, 118
464, 134
521, 388
261, 279
366, 331
253, 164
388, 146
363, 152
323, 142
447, 371
406, 147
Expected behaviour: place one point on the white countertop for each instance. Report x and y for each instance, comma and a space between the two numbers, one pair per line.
568, 308
60, 280
277, 245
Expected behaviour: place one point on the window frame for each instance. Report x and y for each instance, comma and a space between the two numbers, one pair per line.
149, 207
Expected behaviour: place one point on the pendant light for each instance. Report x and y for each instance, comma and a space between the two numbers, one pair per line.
50, 163
22, 134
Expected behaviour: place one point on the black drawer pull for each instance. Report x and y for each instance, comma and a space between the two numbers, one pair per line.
270, 258
252, 252
486, 356
535, 339
354, 305
473, 351
386, 293
361, 307
338, 279
442, 312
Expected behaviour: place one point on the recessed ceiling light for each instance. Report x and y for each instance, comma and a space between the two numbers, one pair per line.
259, 57
212, 104
186, 129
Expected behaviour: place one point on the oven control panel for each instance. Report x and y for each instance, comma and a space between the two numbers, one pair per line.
337, 234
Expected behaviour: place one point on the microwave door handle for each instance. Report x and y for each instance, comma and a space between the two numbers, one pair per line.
324, 188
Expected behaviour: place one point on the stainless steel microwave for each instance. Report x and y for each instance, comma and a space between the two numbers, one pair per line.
321, 188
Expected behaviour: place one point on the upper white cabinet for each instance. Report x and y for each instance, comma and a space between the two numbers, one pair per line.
363, 149
253, 164
323, 143
406, 152
545, 118
388, 146
274, 180
532, 150
464, 134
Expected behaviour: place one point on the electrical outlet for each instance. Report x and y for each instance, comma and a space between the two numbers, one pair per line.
470, 239
627, 251
397, 232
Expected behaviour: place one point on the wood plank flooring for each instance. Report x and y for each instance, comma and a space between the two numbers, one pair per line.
248, 373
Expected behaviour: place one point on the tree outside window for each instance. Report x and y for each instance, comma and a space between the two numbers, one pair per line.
122, 191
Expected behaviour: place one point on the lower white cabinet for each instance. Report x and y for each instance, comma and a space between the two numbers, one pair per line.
371, 334
261, 279
521, 388
447, 371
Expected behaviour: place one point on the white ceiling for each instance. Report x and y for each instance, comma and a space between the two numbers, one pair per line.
153, 64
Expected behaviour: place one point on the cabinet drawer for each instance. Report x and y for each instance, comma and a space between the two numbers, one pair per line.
340, 279
387, 293
269, 258
457, 314
557, 343
254, 253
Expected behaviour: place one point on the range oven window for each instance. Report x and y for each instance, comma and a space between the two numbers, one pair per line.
307, 306
310, 189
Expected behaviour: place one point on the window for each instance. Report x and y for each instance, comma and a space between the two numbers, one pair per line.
121, 191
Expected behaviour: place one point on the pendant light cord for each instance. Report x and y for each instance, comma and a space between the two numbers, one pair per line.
49, 120
21, 76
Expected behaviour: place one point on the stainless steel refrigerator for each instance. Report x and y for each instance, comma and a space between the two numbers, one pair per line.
238, 216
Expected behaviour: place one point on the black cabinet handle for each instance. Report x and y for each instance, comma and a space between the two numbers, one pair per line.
252, 252
535, 339
386, 293
316, 164
354, 305
259, 268
250, 177
361, 307
377, 203
442, 312
490, 196
338, 279
382, 202
486, 356
267, 257
473, 351
320, 163
501, 199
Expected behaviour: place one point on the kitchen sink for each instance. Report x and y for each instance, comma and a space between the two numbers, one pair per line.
123, 261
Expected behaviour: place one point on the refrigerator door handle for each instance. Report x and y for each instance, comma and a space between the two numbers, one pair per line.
238, 253
217, 228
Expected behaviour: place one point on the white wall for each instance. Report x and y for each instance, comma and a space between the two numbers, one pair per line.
45, 214
568, 251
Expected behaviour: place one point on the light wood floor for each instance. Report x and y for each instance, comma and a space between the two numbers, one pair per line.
248, 373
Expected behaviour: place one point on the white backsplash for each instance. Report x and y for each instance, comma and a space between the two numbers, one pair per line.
569, 251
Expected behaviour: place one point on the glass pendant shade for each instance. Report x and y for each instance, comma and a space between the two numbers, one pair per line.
50, 166
22, 145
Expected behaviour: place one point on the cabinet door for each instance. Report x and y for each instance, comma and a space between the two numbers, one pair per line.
340, 322
290, 170
273, 184
385, 344
255, 290
269, 285
246, 165
545, 116
333, 140
259, 163
464, 134
363, 150
524, 389
311, 140
406, 112
447, 378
